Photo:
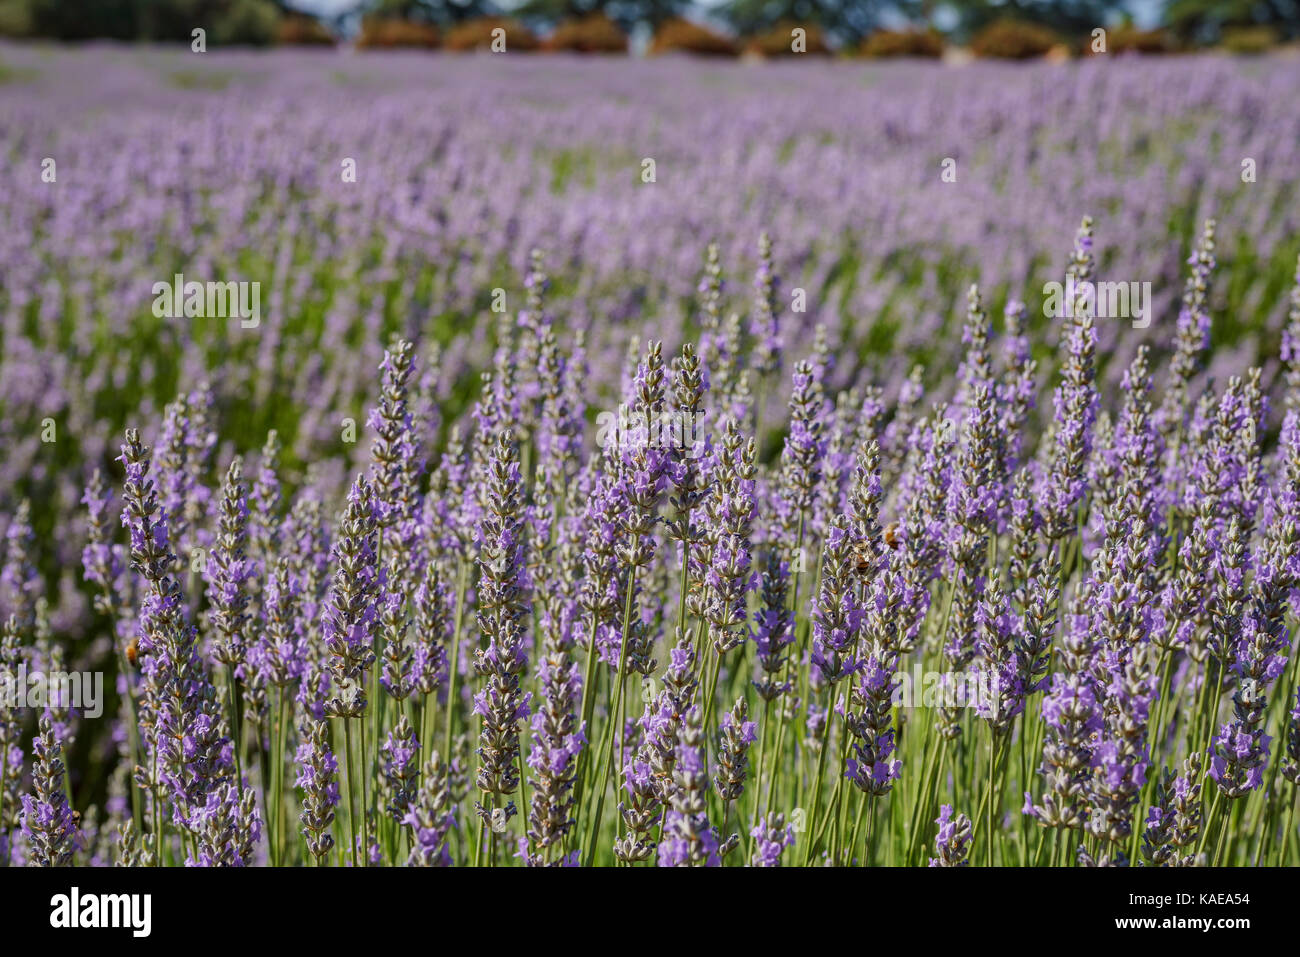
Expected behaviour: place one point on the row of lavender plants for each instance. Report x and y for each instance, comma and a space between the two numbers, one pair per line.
230, 167
798, 519
524, 648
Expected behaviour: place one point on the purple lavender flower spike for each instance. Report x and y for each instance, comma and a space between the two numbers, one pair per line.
689, 840
771, 838
48, 821
318, 777
953, 841
502, 703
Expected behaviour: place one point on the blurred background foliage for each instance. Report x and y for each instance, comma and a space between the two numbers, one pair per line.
873, 27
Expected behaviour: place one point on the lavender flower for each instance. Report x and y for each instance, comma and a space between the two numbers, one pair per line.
318, 777
394, 450
689, 839
873, 769
1290, 348
430, 817
837, 615
763, 326
773, 631
281, 652
557, 740
1071, 711
183, 724
1174, 821
502, 703
48, 821
433, 630
227, 828
738, 733
11, 728
265, 501
229, 571
1191, 337
1291, 763
349, 619
20, 582
400, 762
771, 838
953, 841
730, 509
1076, 406
801, 457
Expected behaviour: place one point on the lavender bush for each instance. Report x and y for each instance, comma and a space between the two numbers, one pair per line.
528, 526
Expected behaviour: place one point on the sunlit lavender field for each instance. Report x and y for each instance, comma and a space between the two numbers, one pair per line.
647, 462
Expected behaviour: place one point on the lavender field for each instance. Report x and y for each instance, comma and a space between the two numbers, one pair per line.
647, 462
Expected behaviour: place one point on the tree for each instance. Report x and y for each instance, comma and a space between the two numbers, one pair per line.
848, 22
628, 13
1204, 21
1068, 17
550, 12
252, 22
83, 19
227, 21
441, 12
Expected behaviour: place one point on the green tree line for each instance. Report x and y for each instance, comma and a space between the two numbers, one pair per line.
256, 21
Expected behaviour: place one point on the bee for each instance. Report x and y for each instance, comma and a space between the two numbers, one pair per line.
862, 553
133, 652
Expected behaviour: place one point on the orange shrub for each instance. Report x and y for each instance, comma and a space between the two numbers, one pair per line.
1250, 40
779, 41
303, 31
892, 43
678, 35
1013, 40
476, 34
594, 34
383, 33
1129, 39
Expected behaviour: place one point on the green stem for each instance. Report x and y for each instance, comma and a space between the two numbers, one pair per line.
994, 793
462, 587
814, 833
279, 787
857, 825
365, 805
588, 705
756, 792
1223, 833
836, 800
352, 810
1290, 826
262, 780
156, 792
234, 726
478, 844
132, 738
1210, 820
612, 733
